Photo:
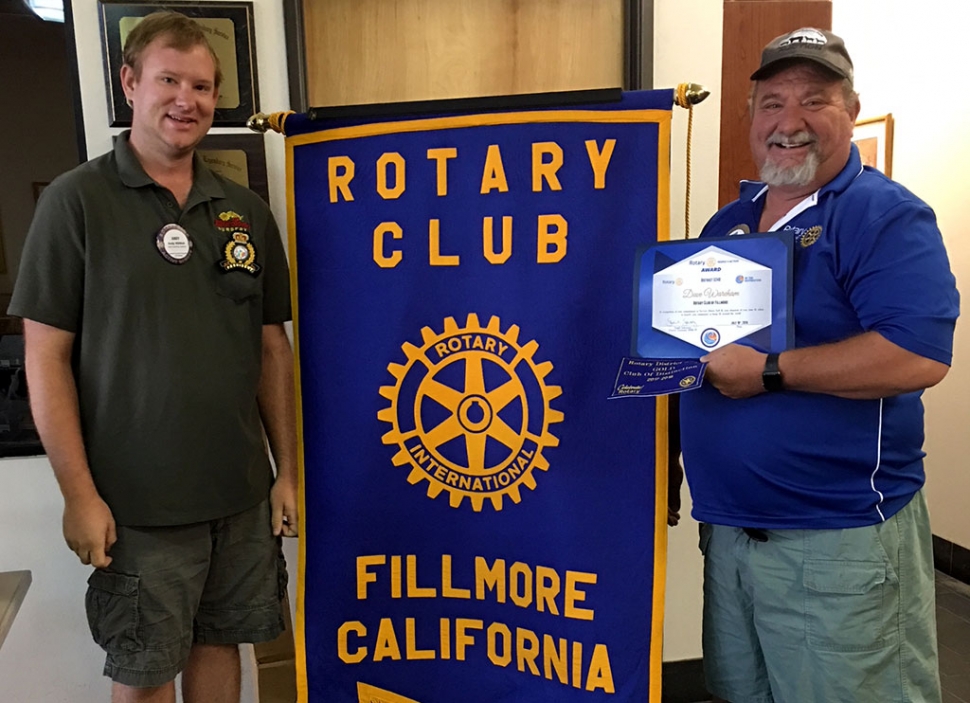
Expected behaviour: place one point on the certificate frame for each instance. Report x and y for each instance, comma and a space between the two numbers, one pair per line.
225, 153
874, 138
774, 250
230, 27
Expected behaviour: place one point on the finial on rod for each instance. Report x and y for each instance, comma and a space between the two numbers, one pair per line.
261, 122
688, 94
258, 122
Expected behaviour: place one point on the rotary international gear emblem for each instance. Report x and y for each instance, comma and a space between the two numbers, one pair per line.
810, 236
470, 411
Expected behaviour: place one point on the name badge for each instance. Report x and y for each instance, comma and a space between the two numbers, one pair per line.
174, 244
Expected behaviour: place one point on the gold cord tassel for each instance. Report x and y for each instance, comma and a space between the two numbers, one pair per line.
687, 95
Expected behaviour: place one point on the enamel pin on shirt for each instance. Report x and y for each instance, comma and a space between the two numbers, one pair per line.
174, 244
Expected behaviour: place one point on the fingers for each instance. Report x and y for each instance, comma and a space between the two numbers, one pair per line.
83, 553
277, 518
95, 555
291, 521
98, 559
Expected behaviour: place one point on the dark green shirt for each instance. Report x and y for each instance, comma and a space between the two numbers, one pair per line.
167, 356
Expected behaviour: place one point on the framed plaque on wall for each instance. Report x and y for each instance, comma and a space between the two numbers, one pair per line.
229, 29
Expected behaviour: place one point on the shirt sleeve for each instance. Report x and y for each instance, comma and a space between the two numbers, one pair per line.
50, 278
276, 277
898, 279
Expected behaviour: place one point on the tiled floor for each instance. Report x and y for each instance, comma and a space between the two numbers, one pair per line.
953, 628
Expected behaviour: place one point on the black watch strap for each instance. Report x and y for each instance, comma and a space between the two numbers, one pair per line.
771, 376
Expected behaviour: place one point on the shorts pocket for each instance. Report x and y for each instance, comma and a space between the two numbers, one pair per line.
849, 605
112, 608
704, 532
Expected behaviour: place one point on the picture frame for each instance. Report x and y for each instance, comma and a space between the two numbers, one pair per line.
229, 27
874, 138
239, 157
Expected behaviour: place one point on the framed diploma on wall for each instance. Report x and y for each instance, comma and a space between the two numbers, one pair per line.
229, 29
238, 157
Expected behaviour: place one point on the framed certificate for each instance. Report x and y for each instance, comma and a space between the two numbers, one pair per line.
694, 296
874, 138
238, 157
229, 29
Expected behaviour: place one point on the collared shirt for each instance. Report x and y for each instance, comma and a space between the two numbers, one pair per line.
167, 355
868, 257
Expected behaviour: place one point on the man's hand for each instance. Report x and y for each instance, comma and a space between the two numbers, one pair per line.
283, 501
89, 530
735, 370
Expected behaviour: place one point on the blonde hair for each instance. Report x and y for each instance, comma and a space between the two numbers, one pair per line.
178, 31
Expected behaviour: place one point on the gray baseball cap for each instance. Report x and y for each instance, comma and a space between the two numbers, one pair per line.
810, 44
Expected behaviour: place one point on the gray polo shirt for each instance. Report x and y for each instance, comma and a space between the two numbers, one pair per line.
167, 356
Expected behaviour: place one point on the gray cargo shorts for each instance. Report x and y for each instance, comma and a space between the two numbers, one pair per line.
216, 582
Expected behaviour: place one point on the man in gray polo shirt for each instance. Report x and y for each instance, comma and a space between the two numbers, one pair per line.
154, 294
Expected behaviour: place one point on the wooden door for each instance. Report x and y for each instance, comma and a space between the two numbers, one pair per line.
375, 51
748, 26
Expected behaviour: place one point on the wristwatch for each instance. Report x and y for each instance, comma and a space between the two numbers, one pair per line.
771, 376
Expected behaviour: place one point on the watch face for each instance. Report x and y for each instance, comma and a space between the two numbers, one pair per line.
771, 376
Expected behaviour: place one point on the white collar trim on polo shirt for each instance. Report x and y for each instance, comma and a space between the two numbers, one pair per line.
810, 201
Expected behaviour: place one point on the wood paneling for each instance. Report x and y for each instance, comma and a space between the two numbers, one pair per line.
748, 26
367, 51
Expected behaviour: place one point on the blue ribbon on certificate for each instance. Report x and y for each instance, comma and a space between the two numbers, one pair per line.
644, 378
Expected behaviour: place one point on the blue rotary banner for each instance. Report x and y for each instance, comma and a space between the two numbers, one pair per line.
481, 523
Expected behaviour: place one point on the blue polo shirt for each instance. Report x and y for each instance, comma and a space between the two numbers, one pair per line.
868, 257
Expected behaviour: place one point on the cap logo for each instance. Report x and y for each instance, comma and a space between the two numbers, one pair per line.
805, 36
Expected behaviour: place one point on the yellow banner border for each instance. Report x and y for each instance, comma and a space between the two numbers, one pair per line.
662, 118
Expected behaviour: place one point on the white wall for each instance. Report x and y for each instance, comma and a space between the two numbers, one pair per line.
49, 655
694, 56
908, 61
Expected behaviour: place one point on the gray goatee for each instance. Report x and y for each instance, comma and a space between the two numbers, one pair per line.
801, 175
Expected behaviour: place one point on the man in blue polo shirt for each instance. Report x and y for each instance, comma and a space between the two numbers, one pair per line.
806, 467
